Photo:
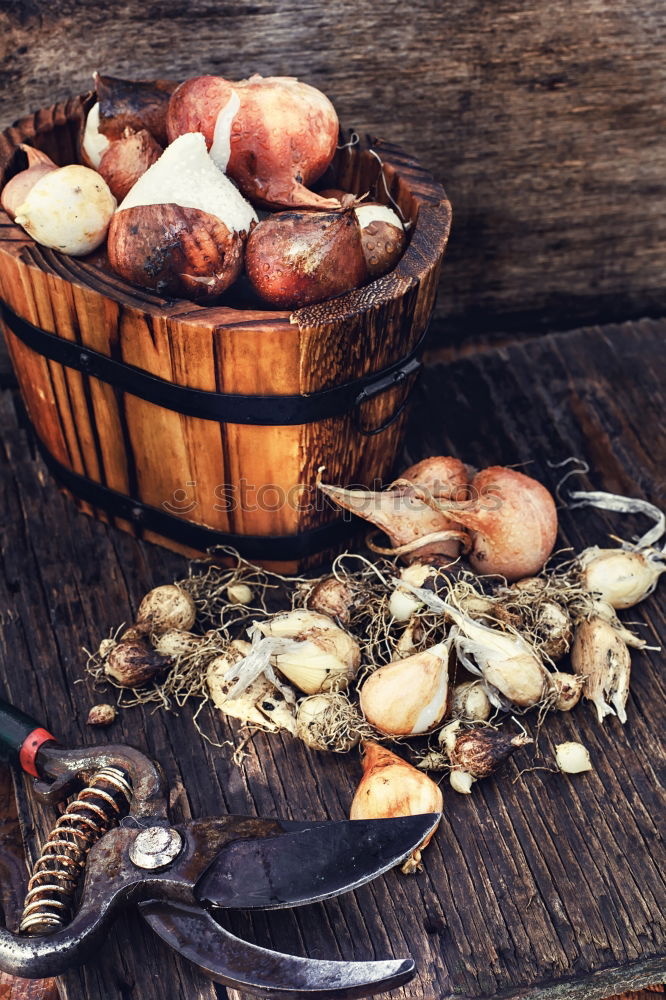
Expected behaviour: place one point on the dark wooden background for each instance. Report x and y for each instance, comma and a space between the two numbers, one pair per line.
545, 122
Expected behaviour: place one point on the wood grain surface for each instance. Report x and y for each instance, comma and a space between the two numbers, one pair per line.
545, 122
547, 886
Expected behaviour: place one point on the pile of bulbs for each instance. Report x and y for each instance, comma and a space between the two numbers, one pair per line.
174, 176
505, 627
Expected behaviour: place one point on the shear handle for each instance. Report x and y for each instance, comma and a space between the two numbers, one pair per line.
21, 738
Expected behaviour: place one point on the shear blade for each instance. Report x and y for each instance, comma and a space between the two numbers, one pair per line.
311, 863
233, 962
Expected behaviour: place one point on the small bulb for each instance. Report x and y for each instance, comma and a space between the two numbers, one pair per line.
572, 758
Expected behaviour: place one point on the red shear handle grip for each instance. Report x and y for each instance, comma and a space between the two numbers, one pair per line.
21, 737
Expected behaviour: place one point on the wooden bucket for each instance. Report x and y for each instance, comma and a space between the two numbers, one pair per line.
194, 426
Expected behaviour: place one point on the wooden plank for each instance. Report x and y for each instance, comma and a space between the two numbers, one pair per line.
543, 120
551, 887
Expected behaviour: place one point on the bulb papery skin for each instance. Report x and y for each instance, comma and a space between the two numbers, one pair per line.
406, 519
572, 758
167, 607
175, 642
554, 630
382, 237
509, 665
133, 664
327, 658
408, 697
621, 578
68, 209
94, 144
282, 136
601, 657
392, 787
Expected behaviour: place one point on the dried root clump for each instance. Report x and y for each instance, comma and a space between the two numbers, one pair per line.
331, 722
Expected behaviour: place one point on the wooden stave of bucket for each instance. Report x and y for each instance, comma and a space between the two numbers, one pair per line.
154, 455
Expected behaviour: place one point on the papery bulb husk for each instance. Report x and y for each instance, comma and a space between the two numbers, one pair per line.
602, 658
392, 787
280, 139
329, 657
134, 105
509, 665
403, 604
176, 251
127, 159
329, 722
482, 751
332, 597
294, 259
408, 697
167, 607
68, 209
260, 705
471, 702
424, 533
445, 478
619, 577
133, 663
514, 523
568, 689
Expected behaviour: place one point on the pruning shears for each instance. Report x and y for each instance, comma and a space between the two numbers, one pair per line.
113, 846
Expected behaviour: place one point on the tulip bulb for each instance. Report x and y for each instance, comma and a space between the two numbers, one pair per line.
332, 597
483, 750
16, 190
572, 758
126, 159
461, 781
182, 227
567, 689
600, 656
402, 603
408, 697
133, 664
392, 787
68, 209
329, 722
471, 702
619, 577
167, 607
415, 530
322, 657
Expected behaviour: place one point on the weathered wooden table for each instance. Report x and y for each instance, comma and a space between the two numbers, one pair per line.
546, 886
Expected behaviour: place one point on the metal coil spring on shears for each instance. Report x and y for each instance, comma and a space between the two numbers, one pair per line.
55, 876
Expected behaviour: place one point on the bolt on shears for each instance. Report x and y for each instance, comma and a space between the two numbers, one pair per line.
113, 846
